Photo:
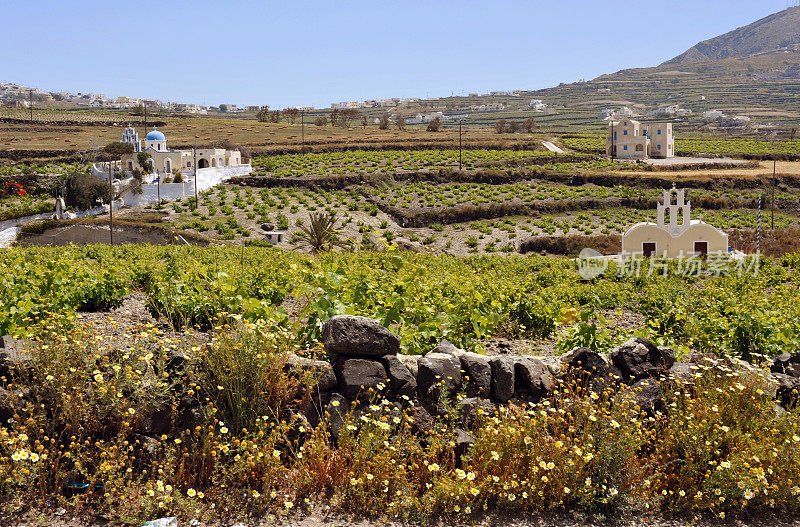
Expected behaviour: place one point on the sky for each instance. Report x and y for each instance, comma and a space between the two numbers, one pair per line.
315, 52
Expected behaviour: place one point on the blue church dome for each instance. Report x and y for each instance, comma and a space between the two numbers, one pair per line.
155, 135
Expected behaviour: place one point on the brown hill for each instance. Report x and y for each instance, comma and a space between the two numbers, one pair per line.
779, 31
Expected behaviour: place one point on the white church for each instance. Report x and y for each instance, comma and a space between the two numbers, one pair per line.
166, 161
675, 233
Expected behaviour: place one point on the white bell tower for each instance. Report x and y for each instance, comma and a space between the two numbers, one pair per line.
675, 213
130, 136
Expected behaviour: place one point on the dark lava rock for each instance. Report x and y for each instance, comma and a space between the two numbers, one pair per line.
503, 375
401, 381
589, 368
438, 369
359, 337
479, 371
786, 363
646, 395
320, 371
355, 375
533, 378
639, 358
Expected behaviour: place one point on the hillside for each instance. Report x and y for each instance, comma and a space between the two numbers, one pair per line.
779, 31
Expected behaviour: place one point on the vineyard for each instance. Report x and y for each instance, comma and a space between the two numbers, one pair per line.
701, 146
431, 212
143, 421
388, 162
426, 298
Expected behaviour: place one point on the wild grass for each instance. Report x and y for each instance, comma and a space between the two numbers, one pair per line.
717, 446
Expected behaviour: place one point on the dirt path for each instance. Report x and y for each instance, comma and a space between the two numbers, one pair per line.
553, 148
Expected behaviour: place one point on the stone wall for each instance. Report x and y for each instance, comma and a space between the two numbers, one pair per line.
366, 359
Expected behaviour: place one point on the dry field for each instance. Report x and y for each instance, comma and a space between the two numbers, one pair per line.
70, 136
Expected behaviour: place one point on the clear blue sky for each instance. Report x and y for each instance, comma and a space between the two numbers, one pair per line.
314, 52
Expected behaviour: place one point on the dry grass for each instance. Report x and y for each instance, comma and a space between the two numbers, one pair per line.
180, 131
791, 168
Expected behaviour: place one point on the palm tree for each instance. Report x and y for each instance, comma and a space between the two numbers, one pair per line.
321, 234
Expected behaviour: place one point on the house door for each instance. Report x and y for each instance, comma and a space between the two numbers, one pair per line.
701, 249
648, 249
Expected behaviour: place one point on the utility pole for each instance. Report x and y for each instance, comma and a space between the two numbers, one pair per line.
111, 200
30, 102
772, 204
302, 130
158, 187
460, 121
145, 117
195, 173
612, 139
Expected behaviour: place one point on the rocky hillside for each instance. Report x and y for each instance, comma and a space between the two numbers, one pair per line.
779, 31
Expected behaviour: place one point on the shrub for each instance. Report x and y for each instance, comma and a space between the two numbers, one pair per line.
586, 334
434, 125
101, 293
534, 317
245, 374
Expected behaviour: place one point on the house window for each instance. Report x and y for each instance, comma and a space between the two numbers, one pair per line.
625, 132
659, 147
625, 147
615, 136
659, 131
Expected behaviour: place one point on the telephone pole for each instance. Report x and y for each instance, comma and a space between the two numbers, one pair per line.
302, 130
772, 201
111, 200
195, 173
460, 121
158, 187
30, 102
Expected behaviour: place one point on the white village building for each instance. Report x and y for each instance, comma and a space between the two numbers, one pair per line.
165, 161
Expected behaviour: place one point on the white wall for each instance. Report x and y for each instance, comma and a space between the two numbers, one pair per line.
207, 178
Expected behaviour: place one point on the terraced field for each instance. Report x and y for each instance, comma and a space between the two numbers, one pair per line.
725, 146
390, 161
434, 214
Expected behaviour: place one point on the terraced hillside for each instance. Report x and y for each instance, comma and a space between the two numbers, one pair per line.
503, 201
